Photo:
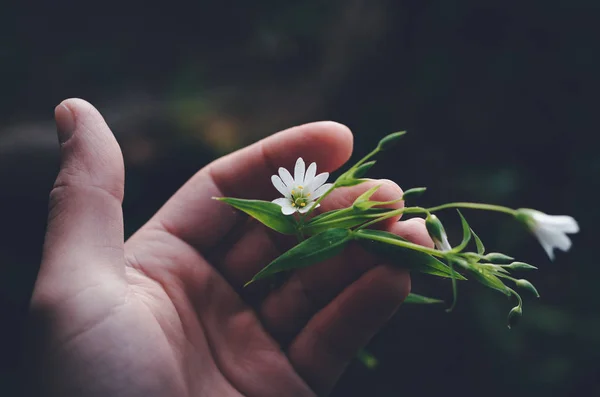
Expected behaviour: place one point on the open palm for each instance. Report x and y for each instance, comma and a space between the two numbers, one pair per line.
164, 314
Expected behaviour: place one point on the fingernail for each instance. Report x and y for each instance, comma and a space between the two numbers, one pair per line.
65, 123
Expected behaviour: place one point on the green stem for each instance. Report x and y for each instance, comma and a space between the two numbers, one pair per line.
406, 244
391, 214
328, 222
475, 206
454, 287
421, 210
300, 228
506, 276
331, 189
517, 295
364, 159
360, 162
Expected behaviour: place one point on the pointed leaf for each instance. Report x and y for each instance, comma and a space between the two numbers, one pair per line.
362, 169
329, 214
269, 214
309, 252
346, 182
343, 219
478, 243
421, 300
366, 195
466, 234
489, 280
382, 243
370, 204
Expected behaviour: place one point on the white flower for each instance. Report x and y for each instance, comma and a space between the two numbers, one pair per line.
301, 191
550, 230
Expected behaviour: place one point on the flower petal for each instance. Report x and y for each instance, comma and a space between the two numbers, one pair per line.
321, 190
562, 222
286, 206
551, 239
288, 210
282, 201
310, 174
286, 177
280, 186
566, 224
443, 245
299, 172
304, 210
559, 240
548, 248
318, 181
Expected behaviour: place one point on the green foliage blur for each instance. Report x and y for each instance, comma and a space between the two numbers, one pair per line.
499, 100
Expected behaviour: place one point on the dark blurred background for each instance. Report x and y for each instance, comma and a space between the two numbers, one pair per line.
500, 100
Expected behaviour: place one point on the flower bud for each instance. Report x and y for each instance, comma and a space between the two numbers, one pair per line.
492, 267
437, 233
363, 169
520, 266
522, 283
514, 316
413, 193
390, 140
497, 257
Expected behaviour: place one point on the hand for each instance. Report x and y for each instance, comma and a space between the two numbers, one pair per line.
161, 315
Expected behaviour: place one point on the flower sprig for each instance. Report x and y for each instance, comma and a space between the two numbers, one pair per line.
301, 191
327, 234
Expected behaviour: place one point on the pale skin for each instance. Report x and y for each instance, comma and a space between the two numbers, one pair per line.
162, 314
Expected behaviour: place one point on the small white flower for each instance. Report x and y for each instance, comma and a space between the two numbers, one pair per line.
550, 230
301, 191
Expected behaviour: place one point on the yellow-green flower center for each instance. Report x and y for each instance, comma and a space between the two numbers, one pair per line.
299, 198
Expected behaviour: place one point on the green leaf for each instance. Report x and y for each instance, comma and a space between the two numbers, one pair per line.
363, 201
309, 252
421, 300
342, 219
353, 176
466, 234
329, 214
383, 244
266, 212
365, 205
362, 169
478, 243
346, 182
366, 195
494, 269
489, 280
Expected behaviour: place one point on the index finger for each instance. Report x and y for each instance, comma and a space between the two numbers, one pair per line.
194, 217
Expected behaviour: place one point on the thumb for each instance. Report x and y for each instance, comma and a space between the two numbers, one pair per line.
85, 221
